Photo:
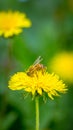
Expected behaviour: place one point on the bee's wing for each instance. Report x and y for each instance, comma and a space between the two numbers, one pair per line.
38, 60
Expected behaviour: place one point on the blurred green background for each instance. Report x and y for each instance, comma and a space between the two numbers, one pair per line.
51, 32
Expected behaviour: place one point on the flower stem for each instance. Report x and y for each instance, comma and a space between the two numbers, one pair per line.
37, 112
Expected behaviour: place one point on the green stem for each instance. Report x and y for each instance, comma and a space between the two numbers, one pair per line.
37, 112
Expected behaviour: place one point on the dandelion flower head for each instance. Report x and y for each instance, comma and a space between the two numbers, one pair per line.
62, 64
37, 81
11, 23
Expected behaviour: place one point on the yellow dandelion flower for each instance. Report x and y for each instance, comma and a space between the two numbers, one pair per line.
38, 82
11, 23
62, 64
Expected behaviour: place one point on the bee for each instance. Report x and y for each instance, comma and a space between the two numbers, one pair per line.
36, 67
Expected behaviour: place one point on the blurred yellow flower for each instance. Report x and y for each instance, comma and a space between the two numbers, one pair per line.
62, 64
11, 23
37, 83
